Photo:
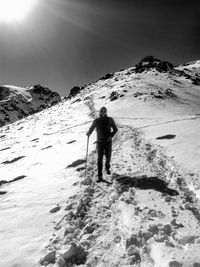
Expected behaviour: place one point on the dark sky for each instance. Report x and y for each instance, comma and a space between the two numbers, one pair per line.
63, 43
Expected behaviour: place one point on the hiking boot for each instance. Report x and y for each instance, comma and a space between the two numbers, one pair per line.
100, 179
108, 171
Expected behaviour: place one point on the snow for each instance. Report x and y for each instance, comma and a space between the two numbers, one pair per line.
116, 225
25, 217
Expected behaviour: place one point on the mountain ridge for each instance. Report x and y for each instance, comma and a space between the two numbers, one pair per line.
19, 102
147, 64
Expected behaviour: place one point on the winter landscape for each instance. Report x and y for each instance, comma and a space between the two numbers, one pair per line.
53, 213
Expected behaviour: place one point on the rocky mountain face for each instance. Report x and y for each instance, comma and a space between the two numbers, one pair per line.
189, 71
19, 102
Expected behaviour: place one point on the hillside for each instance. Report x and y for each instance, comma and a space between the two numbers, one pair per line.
147, 214
18, 102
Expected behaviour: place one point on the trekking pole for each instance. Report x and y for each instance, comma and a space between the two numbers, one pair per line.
86, 156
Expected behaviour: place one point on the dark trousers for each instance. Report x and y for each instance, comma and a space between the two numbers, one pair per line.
104, 148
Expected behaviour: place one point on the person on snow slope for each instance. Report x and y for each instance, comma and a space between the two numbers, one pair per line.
106, 129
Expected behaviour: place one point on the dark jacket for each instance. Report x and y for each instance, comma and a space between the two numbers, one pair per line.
105, 127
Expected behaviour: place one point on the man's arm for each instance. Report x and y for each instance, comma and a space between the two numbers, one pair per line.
114, 127
91, 128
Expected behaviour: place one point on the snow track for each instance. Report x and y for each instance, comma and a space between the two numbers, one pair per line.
128, 223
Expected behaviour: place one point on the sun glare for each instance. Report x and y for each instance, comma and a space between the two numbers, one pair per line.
15, 10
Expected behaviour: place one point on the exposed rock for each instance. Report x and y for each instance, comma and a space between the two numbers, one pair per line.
68, 238
60, 262
80, 169
19, 102
114, 95
89, 191
160, 237
76, 254
69, 230
77, 100
196, 81
175, 264
153, 229
76, 233
86, 181
74, 91
135, 258
107, 76
188, 239
131, 250
167, 229
85, 243
69, 206
88, 229
86, 237
134, 240
79, 223
177, 225
150, 62
57, 227
168, 136
168, 198
57, 208
169, 244
147, 235
49, 258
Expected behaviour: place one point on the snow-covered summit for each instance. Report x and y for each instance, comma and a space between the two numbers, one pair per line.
18, 102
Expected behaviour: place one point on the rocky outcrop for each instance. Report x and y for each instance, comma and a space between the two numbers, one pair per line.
107, 76
74, 91
19, 102
150, 62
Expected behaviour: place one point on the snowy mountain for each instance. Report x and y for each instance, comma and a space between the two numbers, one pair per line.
19, 102
53, 213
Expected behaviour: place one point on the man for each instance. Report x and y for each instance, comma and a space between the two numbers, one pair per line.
106, 129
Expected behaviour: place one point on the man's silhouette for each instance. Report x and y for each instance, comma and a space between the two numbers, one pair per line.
106, 129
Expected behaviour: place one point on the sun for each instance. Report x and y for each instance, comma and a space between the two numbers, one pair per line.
15, 10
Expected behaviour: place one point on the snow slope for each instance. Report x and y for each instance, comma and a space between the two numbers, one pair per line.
43, 142
148, 216
18, 102
160, 103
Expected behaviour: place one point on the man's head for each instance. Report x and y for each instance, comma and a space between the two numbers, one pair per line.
103, 112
